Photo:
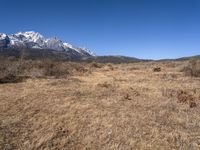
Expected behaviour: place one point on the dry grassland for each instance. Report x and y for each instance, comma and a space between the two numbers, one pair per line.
107, 107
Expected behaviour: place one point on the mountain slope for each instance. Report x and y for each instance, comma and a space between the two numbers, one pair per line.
34, 40
113, 59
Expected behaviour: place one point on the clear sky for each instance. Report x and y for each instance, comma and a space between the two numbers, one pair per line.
140, 28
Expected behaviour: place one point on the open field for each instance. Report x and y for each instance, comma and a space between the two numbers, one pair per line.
107, 106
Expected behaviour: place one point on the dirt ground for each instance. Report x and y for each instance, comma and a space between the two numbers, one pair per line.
124, 106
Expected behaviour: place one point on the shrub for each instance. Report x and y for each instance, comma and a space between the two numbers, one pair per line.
11, 78
95, 65
104, 85
193, 68
110, 66
9, 72
182, 96
185, 97
14, 70
157, 69
44, 68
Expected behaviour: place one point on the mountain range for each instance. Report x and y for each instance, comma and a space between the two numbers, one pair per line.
33, 45
34, 40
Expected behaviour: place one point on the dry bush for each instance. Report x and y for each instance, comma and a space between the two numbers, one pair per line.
17, 70
110, 66
157, 69
56, 69
193, 68
10, 71
11, 78
104, 85
182, 96
95, 65
185, 97
62, 69
79, 68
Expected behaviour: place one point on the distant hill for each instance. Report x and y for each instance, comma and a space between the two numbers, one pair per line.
191, 57
182, 58
113, 59
72, 55
69, 55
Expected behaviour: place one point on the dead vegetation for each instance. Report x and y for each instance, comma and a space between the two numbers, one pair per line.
192, 68
8, 72
65, 105
156, 69
13, 71
182, 96
96, 65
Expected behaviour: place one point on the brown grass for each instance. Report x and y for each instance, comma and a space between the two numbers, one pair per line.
101, 108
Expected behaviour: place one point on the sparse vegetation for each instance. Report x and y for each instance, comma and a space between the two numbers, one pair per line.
68, 105
9, 72
16, 70
193, 68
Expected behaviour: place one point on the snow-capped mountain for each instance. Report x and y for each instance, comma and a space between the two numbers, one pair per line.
34, 40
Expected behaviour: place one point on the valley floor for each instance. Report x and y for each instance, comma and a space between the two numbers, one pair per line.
125, 106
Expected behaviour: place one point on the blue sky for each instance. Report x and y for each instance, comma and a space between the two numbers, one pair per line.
140, 28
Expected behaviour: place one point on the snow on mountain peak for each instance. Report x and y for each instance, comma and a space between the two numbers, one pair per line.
31, 39
2, 36
31, 35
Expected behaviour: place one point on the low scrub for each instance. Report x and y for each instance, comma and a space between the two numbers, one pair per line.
185, 97
193, 68
12, 71
11, 78
95, 65
9, 72
182, 96
157, 69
